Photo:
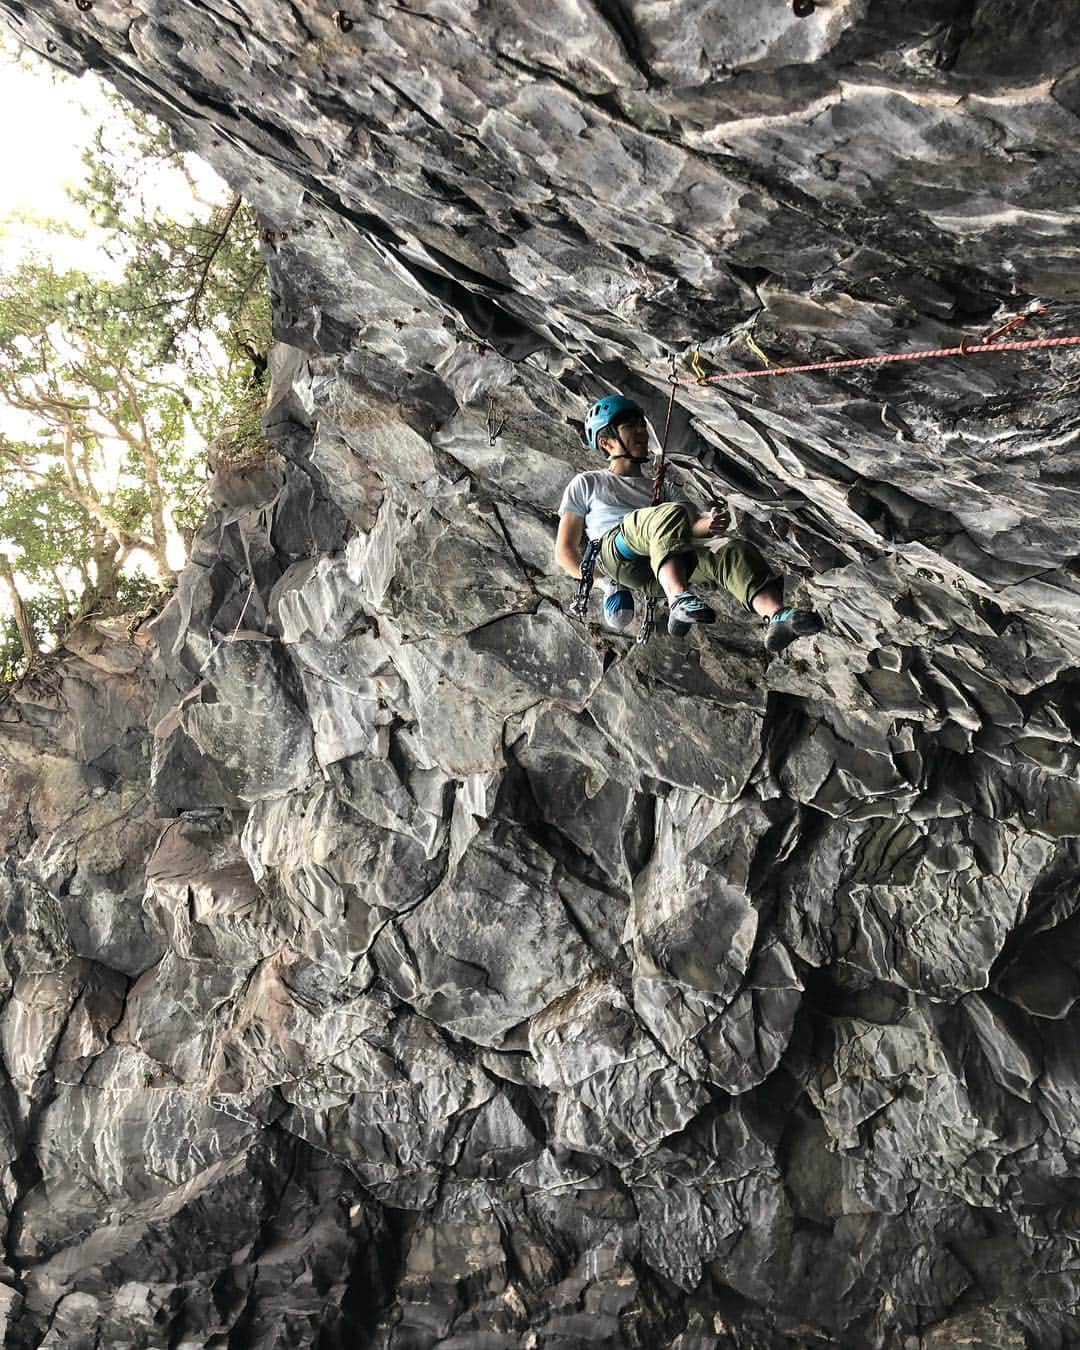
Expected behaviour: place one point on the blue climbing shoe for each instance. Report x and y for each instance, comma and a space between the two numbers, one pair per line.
685, 610
788, 624
619, 608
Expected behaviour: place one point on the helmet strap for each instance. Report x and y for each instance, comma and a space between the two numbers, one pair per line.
617, 433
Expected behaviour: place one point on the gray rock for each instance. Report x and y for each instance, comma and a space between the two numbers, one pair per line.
387, 957
495, 942
618, 1094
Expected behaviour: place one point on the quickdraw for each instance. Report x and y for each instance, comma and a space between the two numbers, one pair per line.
648, 621
588, 568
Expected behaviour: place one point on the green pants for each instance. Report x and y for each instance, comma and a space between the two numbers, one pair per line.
661, 532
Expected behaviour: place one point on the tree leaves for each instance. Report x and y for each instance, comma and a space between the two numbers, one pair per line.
113, 383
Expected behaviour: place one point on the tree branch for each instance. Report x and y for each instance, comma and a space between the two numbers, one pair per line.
204, 277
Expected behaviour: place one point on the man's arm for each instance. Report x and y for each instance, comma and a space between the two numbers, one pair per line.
568, 543
706, 524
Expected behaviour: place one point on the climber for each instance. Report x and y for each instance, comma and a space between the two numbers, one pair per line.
641, 545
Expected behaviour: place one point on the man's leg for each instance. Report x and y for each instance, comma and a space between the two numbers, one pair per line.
659, 533
626, 575
745, 574
663, 534
768, 601
740, 569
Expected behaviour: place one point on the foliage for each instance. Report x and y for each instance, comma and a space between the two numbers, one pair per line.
105, 429
114, 383
240, 440
136, 591
199, 284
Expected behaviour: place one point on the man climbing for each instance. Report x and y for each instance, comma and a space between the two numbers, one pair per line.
640, 545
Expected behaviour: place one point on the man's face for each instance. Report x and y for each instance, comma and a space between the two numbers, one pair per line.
634, 435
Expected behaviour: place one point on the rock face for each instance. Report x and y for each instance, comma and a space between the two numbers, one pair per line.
390, 959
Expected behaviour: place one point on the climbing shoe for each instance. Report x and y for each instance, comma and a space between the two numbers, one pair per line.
788, 624
619, 608
687, 609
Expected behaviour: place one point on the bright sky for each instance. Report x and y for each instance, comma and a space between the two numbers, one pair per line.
56, 117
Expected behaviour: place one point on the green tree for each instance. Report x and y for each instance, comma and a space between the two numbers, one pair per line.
200, 282
114, 384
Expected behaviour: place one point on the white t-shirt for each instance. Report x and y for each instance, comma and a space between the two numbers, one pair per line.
603, 498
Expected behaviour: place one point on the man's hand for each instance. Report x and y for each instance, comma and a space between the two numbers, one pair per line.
716, 520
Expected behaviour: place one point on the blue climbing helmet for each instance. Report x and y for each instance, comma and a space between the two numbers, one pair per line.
611, 408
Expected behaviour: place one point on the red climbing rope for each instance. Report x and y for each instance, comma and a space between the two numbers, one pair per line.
966, 348
980, 347
661, 465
